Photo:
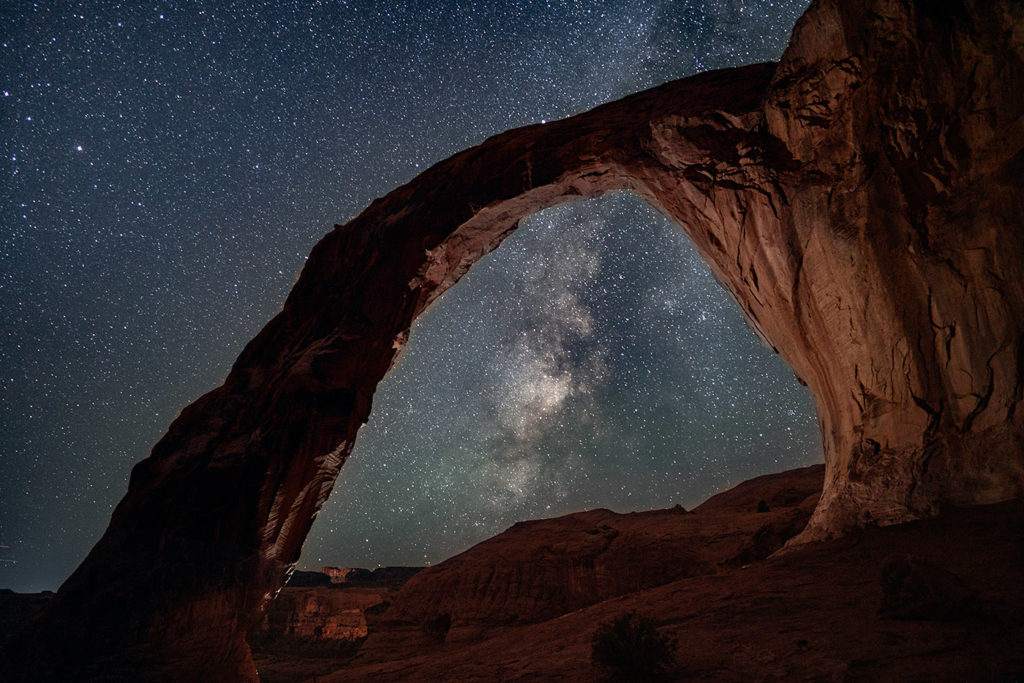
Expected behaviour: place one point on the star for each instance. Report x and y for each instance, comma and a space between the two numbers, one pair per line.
592, 360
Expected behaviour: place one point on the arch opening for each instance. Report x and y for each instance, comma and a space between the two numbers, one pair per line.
592, 360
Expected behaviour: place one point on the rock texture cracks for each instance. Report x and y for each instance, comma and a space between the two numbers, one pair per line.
861, 200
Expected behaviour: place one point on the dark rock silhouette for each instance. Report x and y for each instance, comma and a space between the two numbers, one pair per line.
300, 579
918, 590
16, 608
380, 575
861, 200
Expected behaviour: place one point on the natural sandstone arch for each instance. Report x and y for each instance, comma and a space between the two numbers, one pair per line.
861, 200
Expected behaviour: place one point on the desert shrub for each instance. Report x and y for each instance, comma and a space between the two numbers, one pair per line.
631, 647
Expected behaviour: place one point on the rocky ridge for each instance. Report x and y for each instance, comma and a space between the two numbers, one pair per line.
940, 599
936, 600
542, 569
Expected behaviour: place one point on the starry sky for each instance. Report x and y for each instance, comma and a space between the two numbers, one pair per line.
167, 166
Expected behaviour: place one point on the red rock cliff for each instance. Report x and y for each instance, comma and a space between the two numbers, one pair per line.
861, 200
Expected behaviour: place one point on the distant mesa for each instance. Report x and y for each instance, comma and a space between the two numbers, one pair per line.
381, 575
347, 574
353, 576
304, 579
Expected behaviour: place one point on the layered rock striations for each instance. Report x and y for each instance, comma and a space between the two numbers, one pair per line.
938, 599
861, 200
541, 569
903, 245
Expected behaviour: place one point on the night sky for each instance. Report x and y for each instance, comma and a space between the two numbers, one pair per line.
167, 166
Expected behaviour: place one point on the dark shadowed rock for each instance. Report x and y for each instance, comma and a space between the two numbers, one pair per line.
861, 200
915, 589
17, 608
393, 576
300, 579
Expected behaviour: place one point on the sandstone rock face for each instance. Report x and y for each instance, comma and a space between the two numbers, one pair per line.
820, 612
344, 574
321, 615
542, 569
901, 249
318, 610
861, 200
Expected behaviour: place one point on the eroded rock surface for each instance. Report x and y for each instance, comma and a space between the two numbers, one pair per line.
902, 249
809, 615
861, 200
321, 616
541, 569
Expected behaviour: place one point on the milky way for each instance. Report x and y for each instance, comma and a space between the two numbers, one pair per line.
167, 166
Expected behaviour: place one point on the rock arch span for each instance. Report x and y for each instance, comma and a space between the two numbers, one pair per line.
861, 200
